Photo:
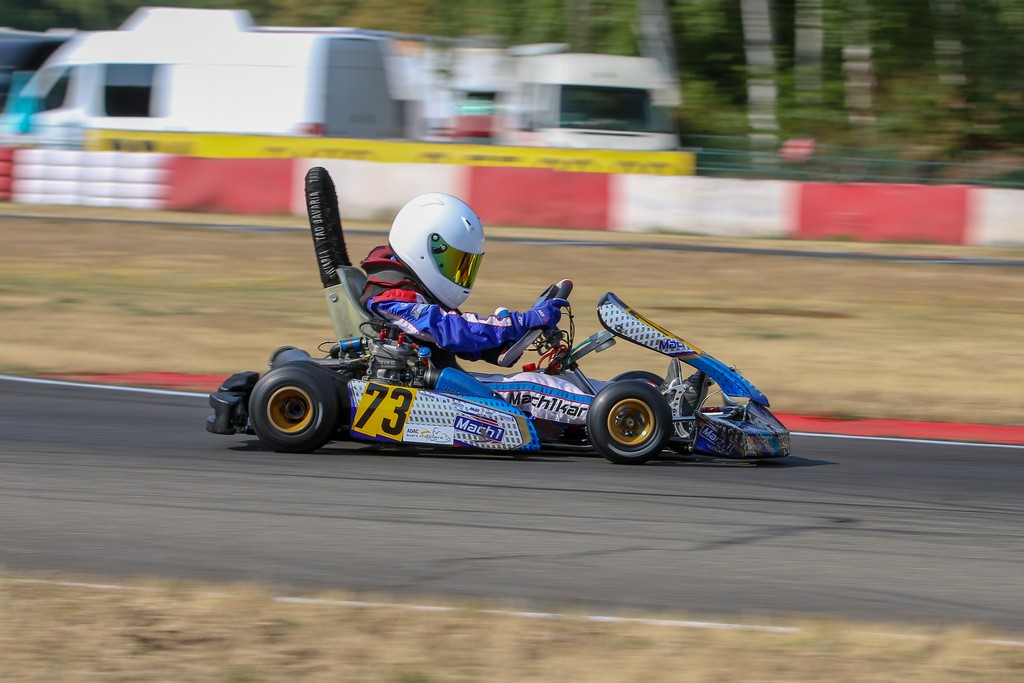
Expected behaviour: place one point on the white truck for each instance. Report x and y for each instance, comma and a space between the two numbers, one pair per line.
212, 71
588, 101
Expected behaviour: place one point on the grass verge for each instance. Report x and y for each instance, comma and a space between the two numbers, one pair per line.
159, 631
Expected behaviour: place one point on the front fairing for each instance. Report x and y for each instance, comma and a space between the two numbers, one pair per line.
624, 322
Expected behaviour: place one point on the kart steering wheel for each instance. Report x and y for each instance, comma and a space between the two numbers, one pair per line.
559, 290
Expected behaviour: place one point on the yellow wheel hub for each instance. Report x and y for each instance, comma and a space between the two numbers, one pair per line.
630, 421
290, 409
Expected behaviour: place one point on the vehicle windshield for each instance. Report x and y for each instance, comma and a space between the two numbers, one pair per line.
19, 56
610, 108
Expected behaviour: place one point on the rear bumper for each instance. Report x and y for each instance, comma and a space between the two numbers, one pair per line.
230, 405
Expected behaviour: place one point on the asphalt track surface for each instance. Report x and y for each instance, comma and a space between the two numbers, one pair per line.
121, 484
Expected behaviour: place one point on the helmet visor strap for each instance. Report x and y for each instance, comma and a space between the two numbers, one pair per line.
458, 266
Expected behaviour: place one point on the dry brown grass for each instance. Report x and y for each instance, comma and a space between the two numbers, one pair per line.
834, 337
185, 632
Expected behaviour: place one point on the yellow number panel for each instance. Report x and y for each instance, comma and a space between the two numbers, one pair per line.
383, 411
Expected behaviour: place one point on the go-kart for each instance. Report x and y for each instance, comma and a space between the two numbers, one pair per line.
377, 385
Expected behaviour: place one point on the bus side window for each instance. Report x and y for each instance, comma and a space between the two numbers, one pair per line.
128, 89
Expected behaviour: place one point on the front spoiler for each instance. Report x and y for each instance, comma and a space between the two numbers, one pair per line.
760, 436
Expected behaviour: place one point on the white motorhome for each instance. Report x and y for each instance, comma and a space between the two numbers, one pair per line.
172, 69
588, 101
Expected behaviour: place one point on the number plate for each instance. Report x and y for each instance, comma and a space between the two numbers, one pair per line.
383, 411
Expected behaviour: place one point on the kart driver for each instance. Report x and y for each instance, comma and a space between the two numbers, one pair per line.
426, 271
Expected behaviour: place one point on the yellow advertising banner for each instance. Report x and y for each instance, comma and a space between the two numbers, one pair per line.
221, 146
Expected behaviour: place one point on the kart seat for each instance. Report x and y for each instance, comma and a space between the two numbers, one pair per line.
343, 302
343, 282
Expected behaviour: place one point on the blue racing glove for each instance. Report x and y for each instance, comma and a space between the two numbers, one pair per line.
546, 314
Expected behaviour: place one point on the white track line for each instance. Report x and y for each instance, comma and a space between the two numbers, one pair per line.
592, 618
109, 387
543, 615
171, 392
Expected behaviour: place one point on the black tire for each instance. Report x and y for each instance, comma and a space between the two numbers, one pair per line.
286, 354
644, 375
629, 422
294, 407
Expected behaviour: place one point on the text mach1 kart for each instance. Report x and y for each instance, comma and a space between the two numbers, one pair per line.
376, 385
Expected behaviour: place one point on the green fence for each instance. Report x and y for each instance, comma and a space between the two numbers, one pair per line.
794, 160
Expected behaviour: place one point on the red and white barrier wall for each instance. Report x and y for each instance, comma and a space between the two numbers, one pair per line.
368, 190
705, 206
881, 212
997, 218
6, 169
374, 191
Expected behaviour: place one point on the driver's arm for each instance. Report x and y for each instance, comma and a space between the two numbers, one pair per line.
464, 333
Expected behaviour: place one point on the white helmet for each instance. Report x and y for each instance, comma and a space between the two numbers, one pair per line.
441, 240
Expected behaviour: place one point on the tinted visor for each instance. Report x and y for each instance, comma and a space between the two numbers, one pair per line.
458, 266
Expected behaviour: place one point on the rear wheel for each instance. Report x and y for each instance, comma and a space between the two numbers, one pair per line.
294, 408
629, 422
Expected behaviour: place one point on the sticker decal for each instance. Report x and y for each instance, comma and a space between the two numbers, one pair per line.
672, 346
540, 402
709, 433
383, 411
439, 436
397, 414
480, 426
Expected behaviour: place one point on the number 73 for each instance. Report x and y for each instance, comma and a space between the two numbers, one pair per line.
383, 411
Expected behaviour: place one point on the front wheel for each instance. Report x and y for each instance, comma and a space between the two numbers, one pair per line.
629, 422
294, 408
643, 375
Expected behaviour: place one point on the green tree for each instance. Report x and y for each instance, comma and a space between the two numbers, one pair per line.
944, 76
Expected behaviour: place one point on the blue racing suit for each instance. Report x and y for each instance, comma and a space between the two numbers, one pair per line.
465, 334
393, 294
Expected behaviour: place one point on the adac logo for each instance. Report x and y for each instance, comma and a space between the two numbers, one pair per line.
438, 435
489, 430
